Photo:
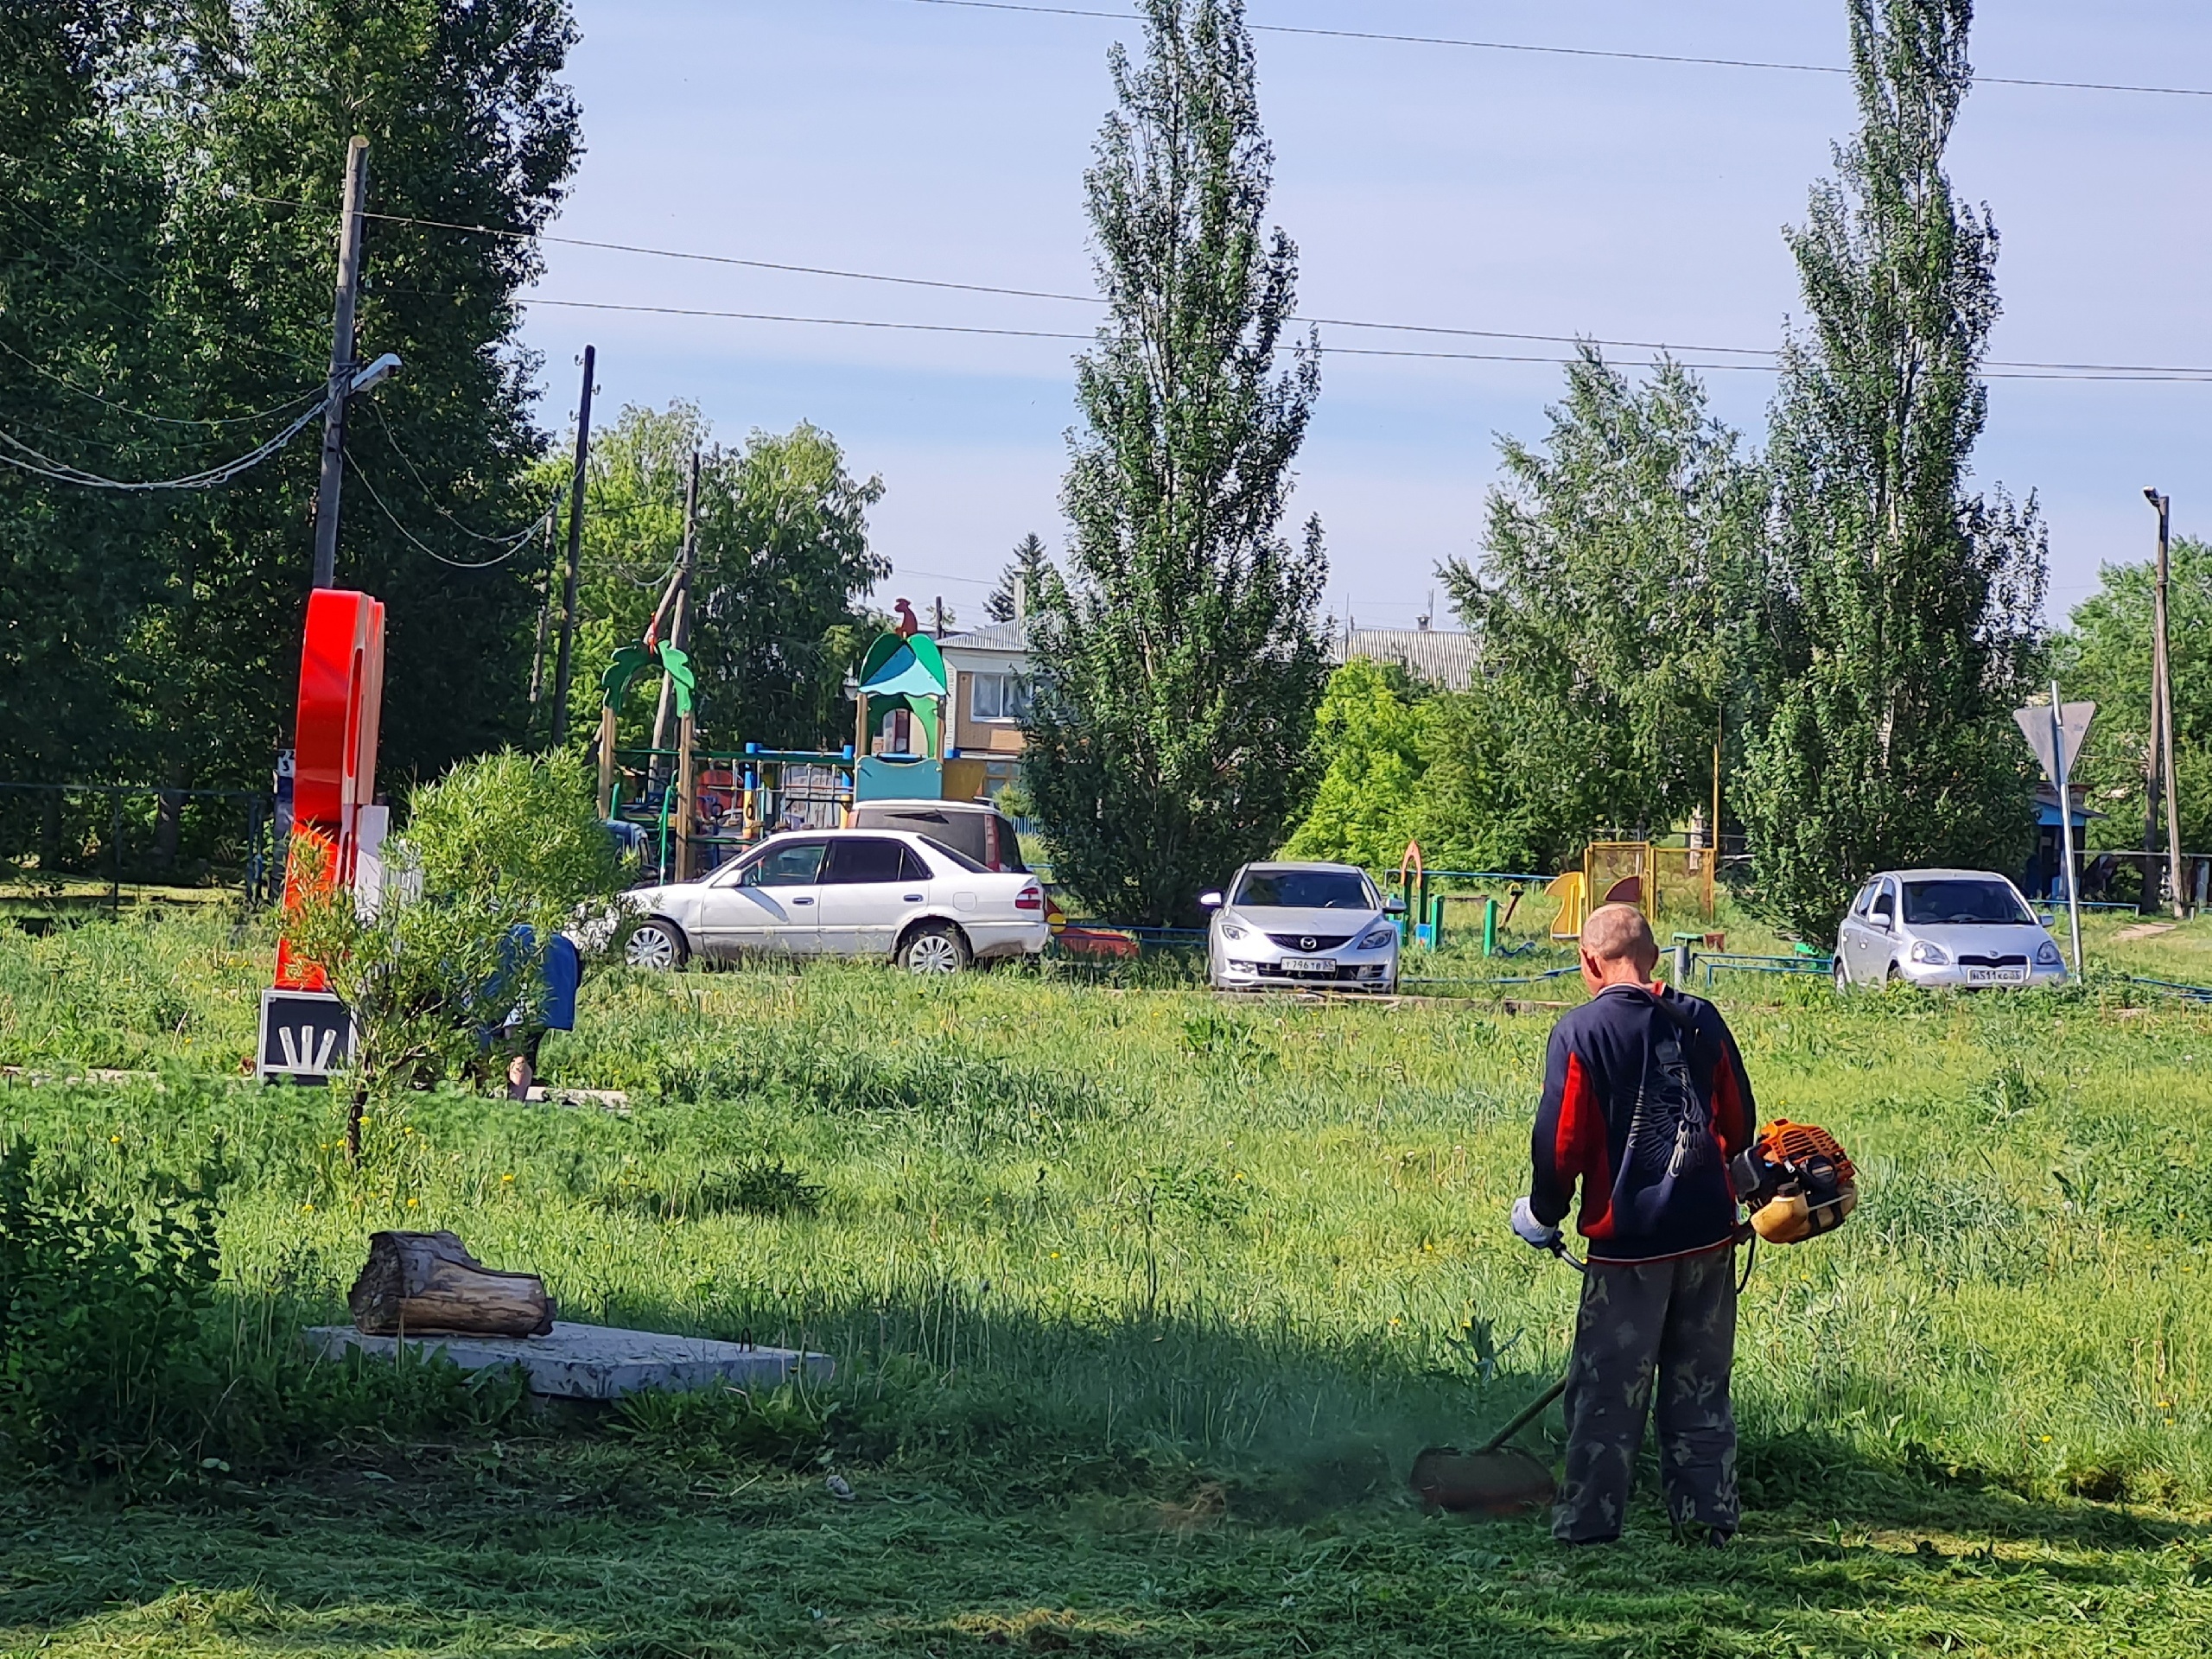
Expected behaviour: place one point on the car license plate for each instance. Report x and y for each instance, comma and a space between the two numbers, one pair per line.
1997, 975
1308, 965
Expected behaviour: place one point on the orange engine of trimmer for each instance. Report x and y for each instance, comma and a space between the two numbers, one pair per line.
1796, 1182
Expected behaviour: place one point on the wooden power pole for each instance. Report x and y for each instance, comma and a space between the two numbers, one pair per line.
679, 623
563, 659
341, 364
2163, 784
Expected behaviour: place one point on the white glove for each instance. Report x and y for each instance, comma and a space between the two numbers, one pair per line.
1532, 1232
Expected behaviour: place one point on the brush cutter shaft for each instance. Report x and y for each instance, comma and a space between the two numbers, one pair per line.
1526, 1415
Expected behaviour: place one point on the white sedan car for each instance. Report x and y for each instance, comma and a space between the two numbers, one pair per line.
843, 893
1285, 924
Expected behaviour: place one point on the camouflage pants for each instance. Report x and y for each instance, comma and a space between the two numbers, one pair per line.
1679, 1317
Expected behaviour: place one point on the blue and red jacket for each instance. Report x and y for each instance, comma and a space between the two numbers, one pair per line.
1645, 1102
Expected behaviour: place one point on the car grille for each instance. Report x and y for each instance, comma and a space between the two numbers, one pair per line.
1993, 962
1309, 943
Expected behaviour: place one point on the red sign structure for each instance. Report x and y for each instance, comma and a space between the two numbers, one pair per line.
334, 773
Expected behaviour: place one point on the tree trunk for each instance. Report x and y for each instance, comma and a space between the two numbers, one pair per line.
169, 822
429, 1283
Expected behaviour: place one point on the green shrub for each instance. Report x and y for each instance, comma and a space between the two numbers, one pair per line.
101, 1302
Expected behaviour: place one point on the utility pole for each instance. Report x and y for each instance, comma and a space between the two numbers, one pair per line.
562, 663
544, 619
341, 364
2161, 790
938, 633
679, 627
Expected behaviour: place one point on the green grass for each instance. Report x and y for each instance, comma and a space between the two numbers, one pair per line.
1142, 1302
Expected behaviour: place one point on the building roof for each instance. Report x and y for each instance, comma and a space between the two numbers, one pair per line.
1000, 636
1442, 659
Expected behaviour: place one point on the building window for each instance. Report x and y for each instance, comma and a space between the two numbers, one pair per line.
998, 696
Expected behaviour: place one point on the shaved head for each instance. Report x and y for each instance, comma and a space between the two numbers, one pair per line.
1619, 933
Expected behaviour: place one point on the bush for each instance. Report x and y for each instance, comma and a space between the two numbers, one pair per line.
101, 1304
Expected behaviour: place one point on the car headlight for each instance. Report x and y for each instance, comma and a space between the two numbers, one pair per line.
1378, 937
1229, 933
2047, 955
1929, 956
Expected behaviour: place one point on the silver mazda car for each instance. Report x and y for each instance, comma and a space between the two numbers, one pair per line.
1288, 925
1967, 928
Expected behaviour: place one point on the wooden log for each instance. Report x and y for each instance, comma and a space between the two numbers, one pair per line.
428, 1283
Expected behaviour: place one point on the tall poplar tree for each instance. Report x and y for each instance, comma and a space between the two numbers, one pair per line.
1900, 607
1178, 666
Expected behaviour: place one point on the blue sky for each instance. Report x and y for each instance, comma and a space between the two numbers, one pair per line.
1424, 184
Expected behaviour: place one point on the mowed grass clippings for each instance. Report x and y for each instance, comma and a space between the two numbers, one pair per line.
1142, 1302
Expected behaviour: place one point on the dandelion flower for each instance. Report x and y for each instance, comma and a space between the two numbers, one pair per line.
2044, 1438
306, 1209
410, 1203
506, 1177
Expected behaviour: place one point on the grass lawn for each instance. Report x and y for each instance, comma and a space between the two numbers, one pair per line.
1142, 1302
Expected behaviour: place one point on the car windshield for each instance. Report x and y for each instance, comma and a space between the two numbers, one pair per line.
1957, 903
1304, 890
956, 856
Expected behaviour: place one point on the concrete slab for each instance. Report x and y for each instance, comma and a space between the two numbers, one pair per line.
596, 1361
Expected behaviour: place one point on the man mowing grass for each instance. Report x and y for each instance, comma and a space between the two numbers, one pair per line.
1645, 1101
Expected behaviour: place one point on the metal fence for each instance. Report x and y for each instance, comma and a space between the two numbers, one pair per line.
70, 846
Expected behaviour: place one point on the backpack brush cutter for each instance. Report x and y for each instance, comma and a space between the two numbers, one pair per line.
1796, 1182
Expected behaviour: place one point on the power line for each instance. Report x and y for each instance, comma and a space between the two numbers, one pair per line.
1575, 51
40, 369
517, 542
62, 472
2114, 374
2087, 370
392, 439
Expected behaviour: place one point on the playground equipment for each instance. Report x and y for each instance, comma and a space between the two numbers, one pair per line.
698, 806
1427, 910
1651, 876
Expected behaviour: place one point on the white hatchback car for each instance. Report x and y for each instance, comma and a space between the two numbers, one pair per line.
1968, 928
843, 893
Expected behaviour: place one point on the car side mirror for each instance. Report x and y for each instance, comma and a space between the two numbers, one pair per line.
1394, 907
1883, 917
1210, 902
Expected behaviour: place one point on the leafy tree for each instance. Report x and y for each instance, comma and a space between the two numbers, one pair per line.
1029, 574
781, 566
505, 842
1371, 734
1620, 563
81, 199
1901, 607
1179, 668
1406, 763
167, 230
2105, 658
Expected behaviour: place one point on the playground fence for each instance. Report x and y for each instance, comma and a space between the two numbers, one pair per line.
79, 845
